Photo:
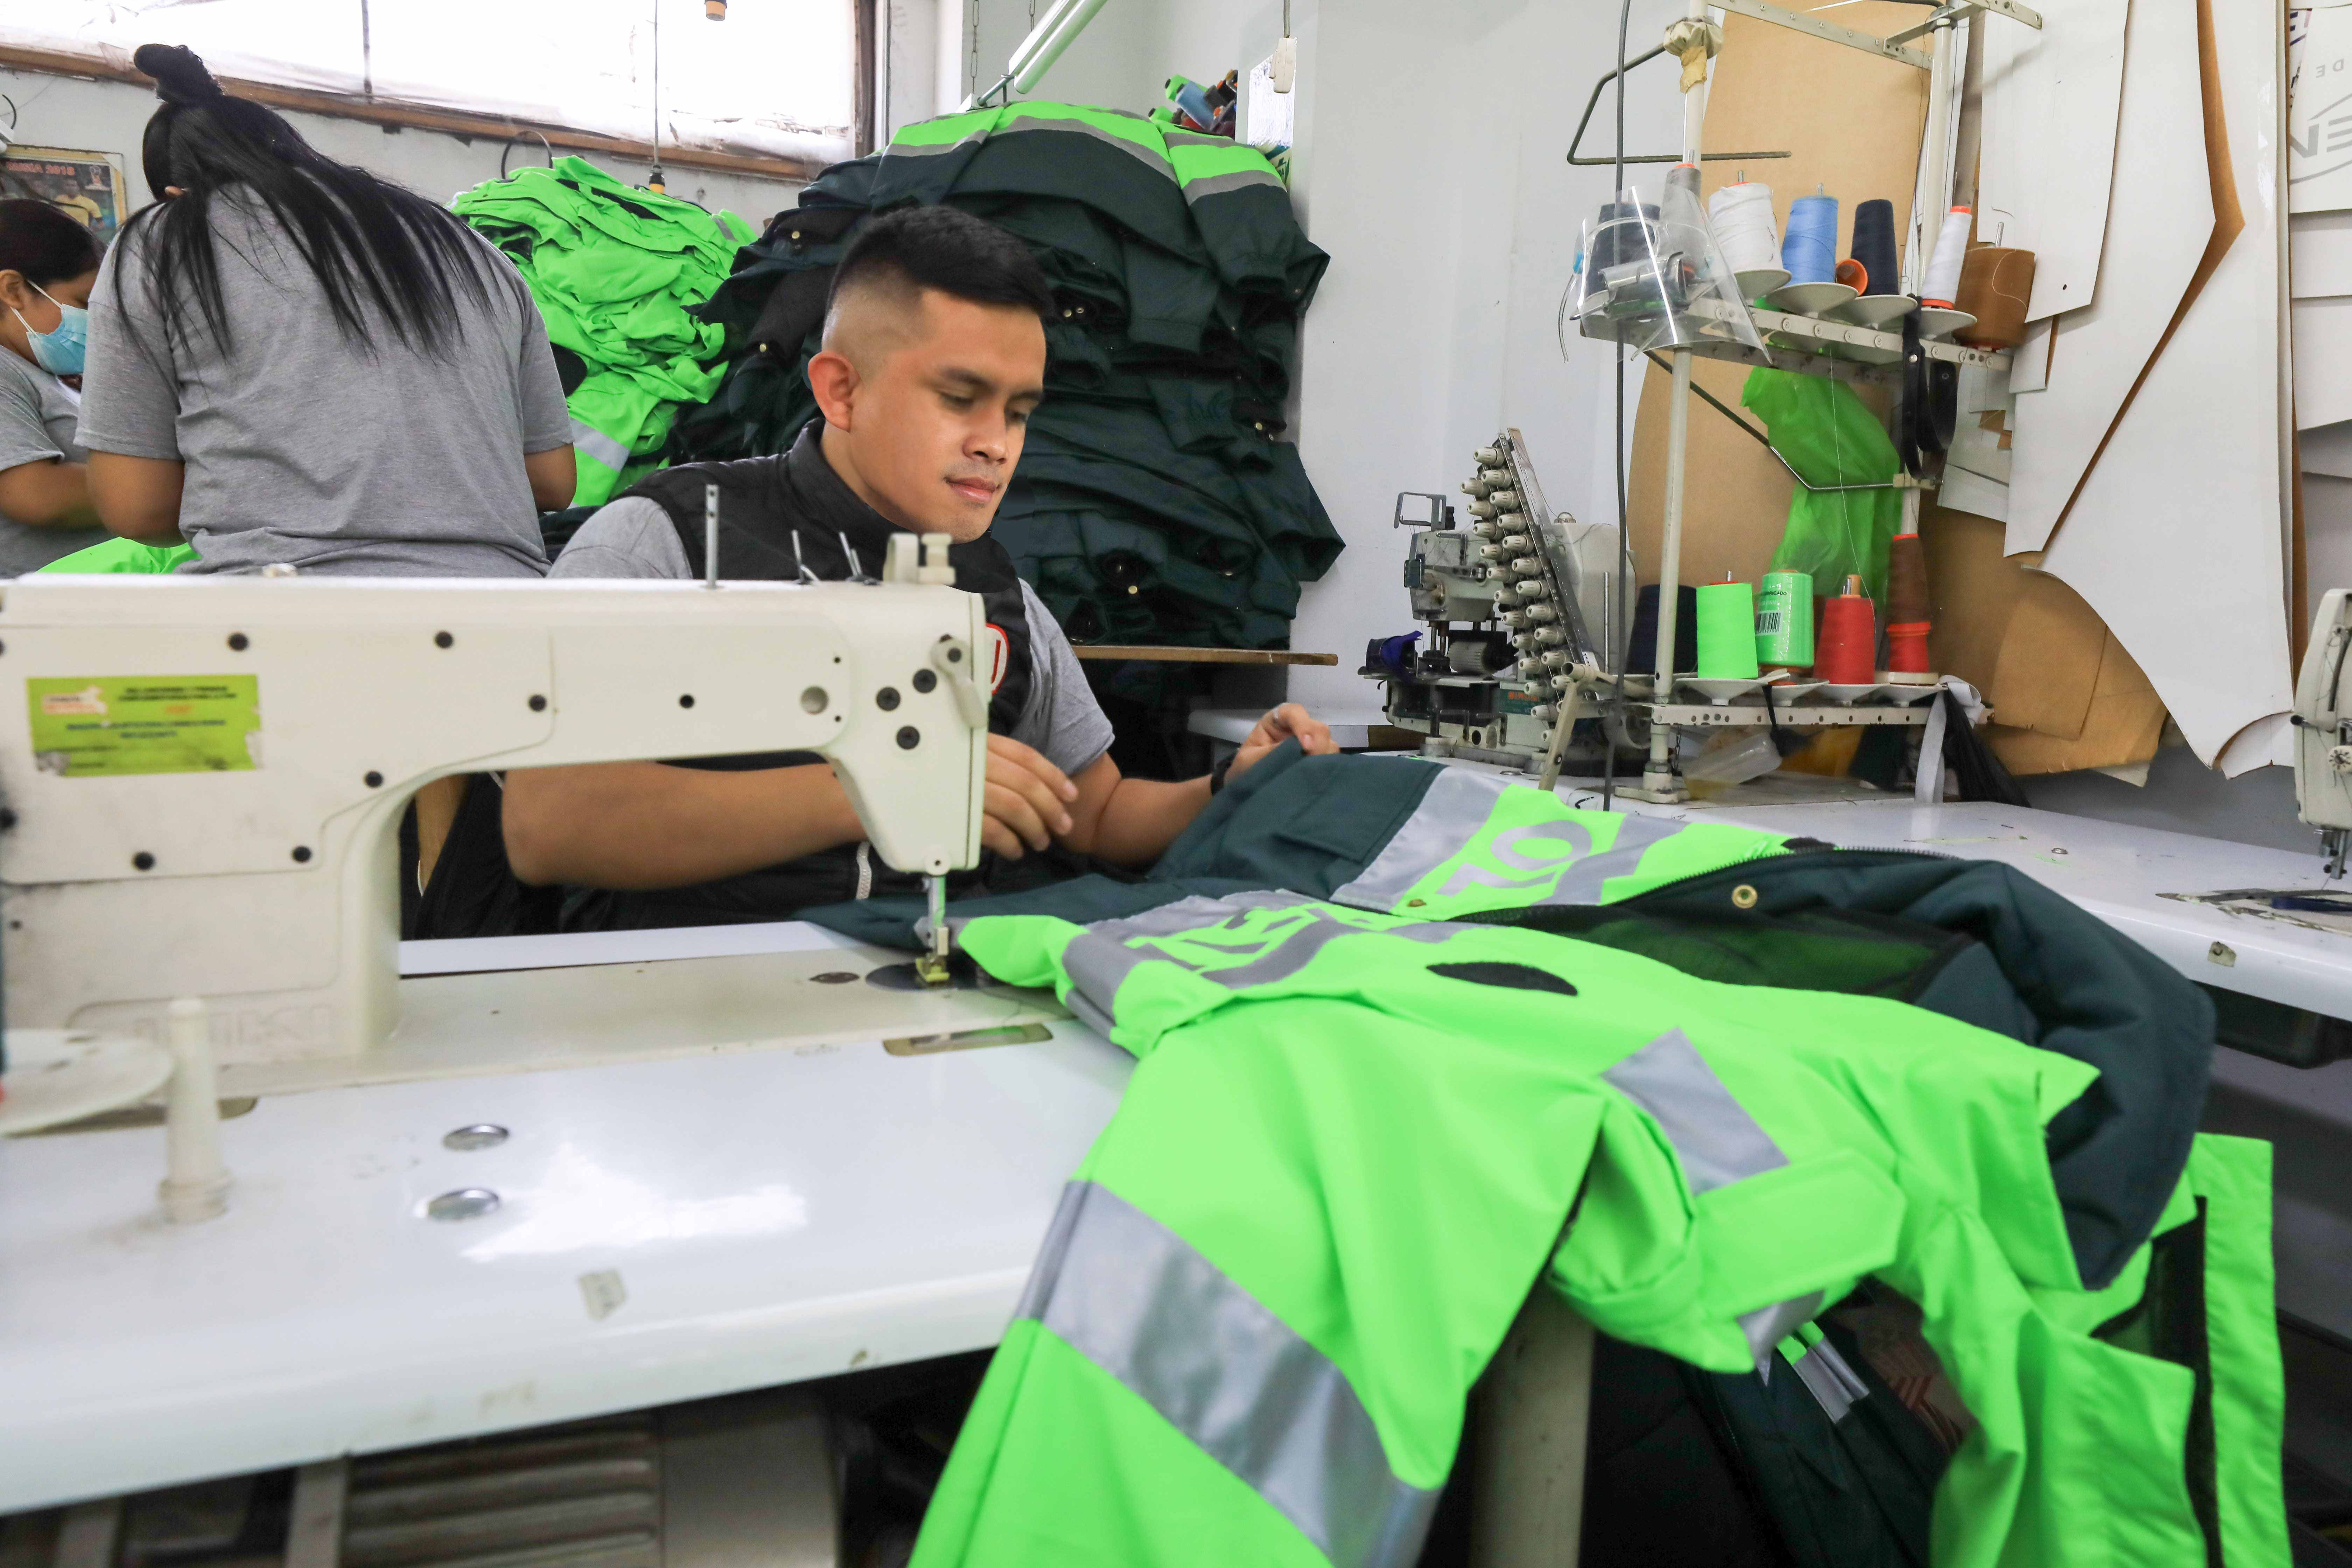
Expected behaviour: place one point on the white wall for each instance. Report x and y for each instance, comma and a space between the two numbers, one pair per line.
108, 117
1431, 163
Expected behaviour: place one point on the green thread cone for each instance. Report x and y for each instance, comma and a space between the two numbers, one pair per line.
1727, 631
1784, 620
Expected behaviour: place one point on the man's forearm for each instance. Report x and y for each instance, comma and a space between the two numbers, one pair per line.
1142, 818
638, 826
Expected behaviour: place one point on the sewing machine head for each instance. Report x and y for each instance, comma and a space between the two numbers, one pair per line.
206, 776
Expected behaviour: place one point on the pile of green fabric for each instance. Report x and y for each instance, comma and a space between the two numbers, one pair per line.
1153, 502
616, 271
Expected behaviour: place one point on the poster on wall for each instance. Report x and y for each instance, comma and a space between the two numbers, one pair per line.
88, 187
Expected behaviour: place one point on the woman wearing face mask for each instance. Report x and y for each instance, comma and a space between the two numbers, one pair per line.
293, 362
47, 263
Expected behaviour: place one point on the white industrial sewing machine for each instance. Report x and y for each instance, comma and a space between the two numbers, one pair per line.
767, 1162
208, 784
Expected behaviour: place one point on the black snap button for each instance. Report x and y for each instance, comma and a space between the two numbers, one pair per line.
442, 639
887, 698
685, 699
301, 854
909, 738
373, 780
925, 681
236, 641
143, 861
539, 704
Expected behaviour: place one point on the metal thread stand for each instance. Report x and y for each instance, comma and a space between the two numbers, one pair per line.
1660, 781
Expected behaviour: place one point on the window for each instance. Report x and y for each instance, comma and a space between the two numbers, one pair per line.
773, 78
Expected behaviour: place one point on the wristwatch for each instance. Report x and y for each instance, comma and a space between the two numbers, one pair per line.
1217, 775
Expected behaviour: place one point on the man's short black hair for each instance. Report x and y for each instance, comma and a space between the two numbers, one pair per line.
943, 249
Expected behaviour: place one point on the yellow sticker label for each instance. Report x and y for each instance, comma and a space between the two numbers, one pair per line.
109, 725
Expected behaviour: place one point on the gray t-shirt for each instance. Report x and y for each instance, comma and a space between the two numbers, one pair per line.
634, 537
307, 447
37, 413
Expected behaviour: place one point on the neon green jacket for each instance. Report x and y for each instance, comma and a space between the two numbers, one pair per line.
615, 271
1353, 1142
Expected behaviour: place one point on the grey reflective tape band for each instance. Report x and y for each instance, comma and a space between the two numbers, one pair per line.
591, 442
1158, 163
1766, 1327
1449, 816
1830, 1381
1218, 184
1299, 947
1138, 1301
1098, 960
1583, 882
1712, 1133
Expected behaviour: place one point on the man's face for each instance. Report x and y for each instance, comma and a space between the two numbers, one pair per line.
937, 416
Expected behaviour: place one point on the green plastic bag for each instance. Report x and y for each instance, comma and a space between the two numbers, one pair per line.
1824, 431
124, 555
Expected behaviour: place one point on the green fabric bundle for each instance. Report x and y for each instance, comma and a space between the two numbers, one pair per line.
1153, 503
616, 272
1826, 433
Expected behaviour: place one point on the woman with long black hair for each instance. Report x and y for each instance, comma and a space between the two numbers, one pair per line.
294, 362
47, 265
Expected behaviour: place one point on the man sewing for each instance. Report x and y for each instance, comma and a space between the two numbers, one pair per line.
934, 353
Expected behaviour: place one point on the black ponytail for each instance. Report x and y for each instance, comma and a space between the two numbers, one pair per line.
367, 241
43, 244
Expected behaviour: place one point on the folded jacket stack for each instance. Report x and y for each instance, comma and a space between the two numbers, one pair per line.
1154, 503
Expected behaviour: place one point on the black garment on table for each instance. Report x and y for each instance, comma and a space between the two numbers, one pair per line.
764, 505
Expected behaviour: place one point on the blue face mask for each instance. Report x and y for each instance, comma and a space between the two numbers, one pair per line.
59, 350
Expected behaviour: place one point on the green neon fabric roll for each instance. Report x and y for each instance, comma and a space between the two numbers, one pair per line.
1737, 1158
616, 271
1826, 435
1727, 631
1784, 620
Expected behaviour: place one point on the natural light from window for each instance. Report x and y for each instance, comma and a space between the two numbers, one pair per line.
773, 78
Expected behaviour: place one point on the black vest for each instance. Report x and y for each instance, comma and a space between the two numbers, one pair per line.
765, 504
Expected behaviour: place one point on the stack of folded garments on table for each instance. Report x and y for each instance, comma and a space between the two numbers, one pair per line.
616, 272
1154, 503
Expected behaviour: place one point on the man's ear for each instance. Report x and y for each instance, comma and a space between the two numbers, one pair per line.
833, 379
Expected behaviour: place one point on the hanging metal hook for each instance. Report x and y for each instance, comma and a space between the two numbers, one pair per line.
518, 136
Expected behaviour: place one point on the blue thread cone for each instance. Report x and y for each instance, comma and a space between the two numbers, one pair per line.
1809, 250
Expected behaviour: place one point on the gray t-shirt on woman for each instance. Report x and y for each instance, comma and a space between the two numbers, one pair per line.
36, 425
307, 447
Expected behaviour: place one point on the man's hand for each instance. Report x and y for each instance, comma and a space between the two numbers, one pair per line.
1028, 799
1289, 721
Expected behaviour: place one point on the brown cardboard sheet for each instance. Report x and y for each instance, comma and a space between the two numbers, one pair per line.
2065, 694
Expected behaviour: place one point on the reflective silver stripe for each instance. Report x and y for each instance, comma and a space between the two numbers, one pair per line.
1712, 1133
1450, 815
1300, 945
1718, 1142
591, 442
1218, 184
1098, 960
1135, 1299
1768, 1326
1829, 1380
1583, 882
1158, 161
